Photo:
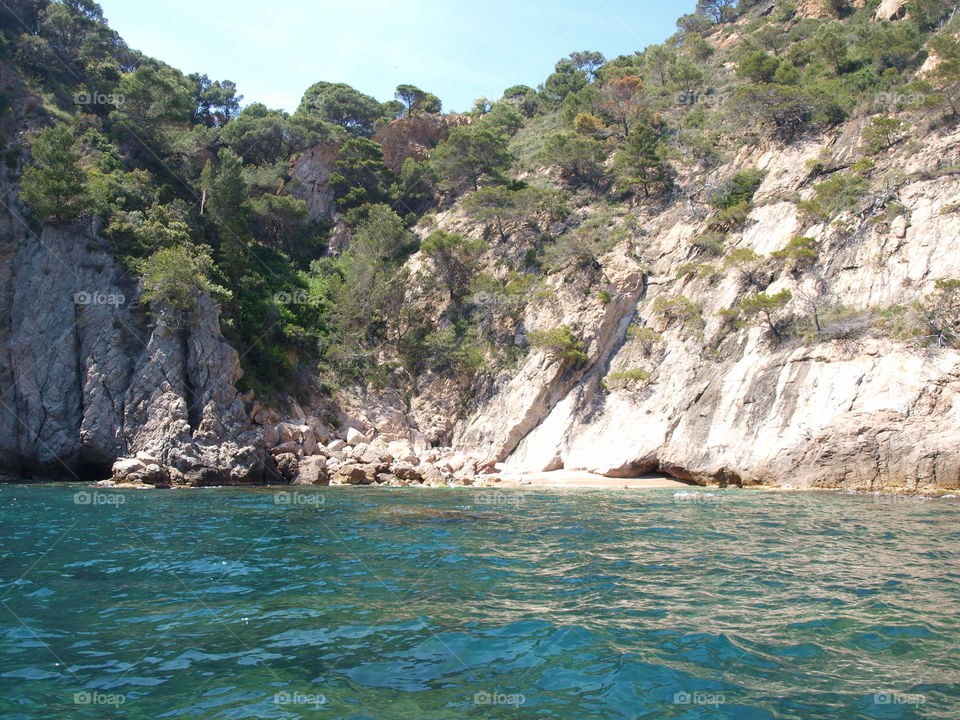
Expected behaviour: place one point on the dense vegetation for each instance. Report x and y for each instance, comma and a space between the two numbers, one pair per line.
194, 191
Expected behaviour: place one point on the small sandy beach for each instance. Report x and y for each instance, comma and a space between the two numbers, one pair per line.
580, 479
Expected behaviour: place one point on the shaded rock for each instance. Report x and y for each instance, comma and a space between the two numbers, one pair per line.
287, 447
313, 471
288, 465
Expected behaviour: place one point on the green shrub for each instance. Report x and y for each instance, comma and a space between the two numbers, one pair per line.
710, 243
604, 297
839, 192
560, 343
644, 337
799, 253
881, 134
739, 189
683, 311
631, 379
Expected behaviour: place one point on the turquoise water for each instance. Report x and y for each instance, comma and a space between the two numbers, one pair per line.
416, 604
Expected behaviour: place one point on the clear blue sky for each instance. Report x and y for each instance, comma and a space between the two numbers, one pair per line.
275, 49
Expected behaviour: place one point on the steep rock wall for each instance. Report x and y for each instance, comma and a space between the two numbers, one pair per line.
742, 408
87, 376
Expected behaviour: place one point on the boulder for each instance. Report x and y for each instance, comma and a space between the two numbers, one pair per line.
401, 451
313, 471
406, 471
287, 447
310, 446
355, 437
125, 467
321, 430
288, 466
271, 436
336, 446
355, 475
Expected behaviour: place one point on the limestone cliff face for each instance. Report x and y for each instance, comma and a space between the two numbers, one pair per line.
739, 407
87, 377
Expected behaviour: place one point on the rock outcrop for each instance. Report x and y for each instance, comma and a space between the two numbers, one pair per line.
88, 377
742, 408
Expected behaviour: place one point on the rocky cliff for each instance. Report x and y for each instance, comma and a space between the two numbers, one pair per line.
863, 414
87, 376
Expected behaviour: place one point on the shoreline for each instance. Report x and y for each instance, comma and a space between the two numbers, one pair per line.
554, 480
575, 479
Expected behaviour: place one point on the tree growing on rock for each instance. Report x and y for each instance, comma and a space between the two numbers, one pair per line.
640, 163
469, 155
717, 10
580, 159
174, 281
560, 343
623, 100
455, 258
941, 314
415, 101
765, 308
55, 185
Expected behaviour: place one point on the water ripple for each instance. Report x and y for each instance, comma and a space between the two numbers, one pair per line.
429, 605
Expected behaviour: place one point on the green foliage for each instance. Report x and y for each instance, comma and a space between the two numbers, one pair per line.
799, 253
759, 67
739, 189
644, 337
55, 185
717, 10
507, 211
764, 308
640, 162
631, 379
580, 159
560, 343
710, 243
263, 136
839, 192
174, 280
580, 248
565, 80
681, 311
881, 134
455, 259
703, 271
340, 104
469, 155
361, 175
415, 101
604, 297
940, 314
748, 265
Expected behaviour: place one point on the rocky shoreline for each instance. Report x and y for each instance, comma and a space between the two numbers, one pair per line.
310, 452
